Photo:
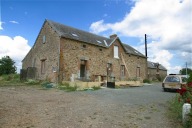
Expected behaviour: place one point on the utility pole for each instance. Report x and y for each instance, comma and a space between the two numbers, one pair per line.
146, 45
186, 69
147, 76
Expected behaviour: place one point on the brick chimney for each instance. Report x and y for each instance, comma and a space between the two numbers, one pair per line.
113, 36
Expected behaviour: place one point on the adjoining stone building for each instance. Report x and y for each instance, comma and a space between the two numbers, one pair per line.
64, 53
156, 71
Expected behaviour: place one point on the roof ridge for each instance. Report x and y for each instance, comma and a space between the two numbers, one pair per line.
50, 21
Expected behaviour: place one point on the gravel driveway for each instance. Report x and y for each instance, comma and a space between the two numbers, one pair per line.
133, 107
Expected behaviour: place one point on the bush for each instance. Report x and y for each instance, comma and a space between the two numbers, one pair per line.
11, 78
96, 88
146, 81
32, 82
67, 87
190, 78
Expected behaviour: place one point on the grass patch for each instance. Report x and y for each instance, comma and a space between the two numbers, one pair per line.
175, 108
175, 113
32, 82
96, 88
14, 80
67, 87
10, 80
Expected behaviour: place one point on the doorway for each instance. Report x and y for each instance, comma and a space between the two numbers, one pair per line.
83, 69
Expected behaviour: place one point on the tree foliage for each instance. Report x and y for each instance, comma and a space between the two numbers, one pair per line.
7, 66
183, 71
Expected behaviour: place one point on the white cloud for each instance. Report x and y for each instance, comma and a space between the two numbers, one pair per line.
168, 23
1, 27
16, 48
14, 22
99, 26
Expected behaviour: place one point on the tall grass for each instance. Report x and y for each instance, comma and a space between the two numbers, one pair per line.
175, 113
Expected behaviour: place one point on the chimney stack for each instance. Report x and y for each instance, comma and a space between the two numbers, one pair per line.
113, 36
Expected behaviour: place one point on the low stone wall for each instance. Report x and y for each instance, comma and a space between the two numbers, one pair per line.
128, 83
82, 85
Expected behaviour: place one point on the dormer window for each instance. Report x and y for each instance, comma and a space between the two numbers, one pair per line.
116, 51
44, 39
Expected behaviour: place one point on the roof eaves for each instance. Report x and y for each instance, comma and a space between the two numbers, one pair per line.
83, 41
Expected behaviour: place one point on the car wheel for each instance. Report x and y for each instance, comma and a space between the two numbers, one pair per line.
164, 89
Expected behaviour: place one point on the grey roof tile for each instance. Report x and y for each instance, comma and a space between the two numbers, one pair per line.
76, 34
131, 50
153, 65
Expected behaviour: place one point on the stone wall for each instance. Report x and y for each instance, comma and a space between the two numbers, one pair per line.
57, 58
46, 50
97, 58
154, 75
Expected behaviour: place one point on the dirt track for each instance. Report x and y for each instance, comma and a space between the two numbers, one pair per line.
29, 107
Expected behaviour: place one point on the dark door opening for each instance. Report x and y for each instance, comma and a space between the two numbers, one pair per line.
82, 71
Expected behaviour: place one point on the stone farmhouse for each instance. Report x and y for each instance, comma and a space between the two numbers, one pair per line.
156, 71
63, 53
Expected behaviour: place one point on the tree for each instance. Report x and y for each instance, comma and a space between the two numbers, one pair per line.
7, 66
183, 71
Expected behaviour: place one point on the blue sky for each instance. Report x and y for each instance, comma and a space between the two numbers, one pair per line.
168, 25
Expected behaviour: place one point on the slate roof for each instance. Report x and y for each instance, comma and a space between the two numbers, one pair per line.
154, 65
131, 50
87, 37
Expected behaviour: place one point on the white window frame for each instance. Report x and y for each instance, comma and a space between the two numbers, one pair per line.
116, 51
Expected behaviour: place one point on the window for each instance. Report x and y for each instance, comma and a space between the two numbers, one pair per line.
172, 79
84, 46
122, 70
43, 66
109, 69
116, 52
75, 35
44, 39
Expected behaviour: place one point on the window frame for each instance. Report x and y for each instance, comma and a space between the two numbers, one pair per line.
44, 39
122, 68
116, 51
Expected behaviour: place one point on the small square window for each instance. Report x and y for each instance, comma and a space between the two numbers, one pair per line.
100, 49
84, 46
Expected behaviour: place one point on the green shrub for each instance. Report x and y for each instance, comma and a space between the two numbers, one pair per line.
96, 88
146, 81
67, 87
32, 82
44, 83
190, 78
10, 78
